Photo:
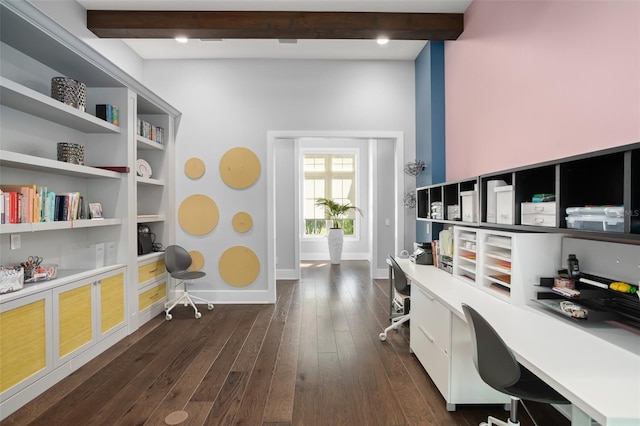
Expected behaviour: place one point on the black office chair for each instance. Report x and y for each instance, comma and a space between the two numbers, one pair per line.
177, 261
403, 287
499, 368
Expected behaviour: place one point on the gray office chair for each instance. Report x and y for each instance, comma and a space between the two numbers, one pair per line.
499, 368
177, 260
403, 287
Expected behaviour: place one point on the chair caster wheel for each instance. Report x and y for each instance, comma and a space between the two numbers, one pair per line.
383, 337
210, 306
198, 315
168, 317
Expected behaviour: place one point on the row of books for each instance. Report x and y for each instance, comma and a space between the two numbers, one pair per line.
31, 203
149, 131
109, 113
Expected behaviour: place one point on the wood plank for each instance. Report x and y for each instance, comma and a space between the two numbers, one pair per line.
274, 24
229, 398
163, 385
251, 409
279, 407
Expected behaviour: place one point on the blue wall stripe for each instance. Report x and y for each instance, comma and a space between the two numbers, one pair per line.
430, 121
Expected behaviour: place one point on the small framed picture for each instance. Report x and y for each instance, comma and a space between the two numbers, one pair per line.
96, 210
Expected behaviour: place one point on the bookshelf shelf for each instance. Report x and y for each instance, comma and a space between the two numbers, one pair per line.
30, 162
149, 181
21, 98
144, 143
55, 226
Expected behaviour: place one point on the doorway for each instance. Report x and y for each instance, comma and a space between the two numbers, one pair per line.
384, 209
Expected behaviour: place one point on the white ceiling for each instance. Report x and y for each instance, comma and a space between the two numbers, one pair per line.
303, 49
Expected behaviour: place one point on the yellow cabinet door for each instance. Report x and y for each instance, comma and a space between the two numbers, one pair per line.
151, 296
111, 302
75, 319
150, 271
23, 341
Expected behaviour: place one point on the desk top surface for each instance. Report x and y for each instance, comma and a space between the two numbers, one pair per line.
599, 377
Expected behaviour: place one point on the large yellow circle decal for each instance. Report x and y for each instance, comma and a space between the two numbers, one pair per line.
194, 168
198, 214
197, 260
242, 222
239, 266
239, 168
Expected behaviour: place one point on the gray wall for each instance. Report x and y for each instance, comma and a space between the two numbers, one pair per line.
230, 103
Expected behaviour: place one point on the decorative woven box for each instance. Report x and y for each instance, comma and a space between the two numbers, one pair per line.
71, 153
70, 92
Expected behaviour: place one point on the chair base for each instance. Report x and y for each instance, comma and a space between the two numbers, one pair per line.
492, 421
395, 324
186, 299
513, 415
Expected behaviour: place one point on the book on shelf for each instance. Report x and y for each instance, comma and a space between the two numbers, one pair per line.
109, 113
34, 204
119, 169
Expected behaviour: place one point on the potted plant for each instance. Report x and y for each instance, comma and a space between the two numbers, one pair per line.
336, 212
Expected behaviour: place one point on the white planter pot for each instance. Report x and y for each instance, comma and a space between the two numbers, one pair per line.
335, 237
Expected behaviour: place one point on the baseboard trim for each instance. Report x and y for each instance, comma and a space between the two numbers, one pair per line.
287, 274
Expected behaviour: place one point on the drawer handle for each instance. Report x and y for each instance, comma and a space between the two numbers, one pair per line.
539, 220
153, 270
426, 333
539, 208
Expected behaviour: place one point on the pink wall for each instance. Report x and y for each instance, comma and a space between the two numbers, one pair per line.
530, 81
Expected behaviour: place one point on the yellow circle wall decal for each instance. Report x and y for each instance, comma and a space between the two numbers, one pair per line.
198, 214
197, 260
242, 222
239, 168
194, 168
239, 266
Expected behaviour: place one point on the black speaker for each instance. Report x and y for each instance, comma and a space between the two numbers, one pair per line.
145, 244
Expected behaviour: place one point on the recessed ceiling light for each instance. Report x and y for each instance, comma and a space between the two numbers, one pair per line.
181, 39
382, 40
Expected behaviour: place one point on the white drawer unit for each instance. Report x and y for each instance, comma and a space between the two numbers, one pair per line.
442, 343
538, 214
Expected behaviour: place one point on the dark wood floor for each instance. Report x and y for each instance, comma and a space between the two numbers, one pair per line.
313, 358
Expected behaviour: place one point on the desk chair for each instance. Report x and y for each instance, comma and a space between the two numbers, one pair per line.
499, 368
403, 288
177, 261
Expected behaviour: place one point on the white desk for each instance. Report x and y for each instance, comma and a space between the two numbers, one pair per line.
601, 379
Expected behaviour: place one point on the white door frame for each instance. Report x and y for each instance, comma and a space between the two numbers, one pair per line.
272, 137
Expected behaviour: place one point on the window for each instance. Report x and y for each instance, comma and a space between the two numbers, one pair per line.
333, 176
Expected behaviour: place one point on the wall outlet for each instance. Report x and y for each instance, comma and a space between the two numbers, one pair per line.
16, 241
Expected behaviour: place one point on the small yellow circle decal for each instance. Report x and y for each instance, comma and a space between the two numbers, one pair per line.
242, 222
198, 214
239, 266
194, 168
239, 168
197, 260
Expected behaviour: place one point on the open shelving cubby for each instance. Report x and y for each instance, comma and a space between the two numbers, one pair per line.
608, 178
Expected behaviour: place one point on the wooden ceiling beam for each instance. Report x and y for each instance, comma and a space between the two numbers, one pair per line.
274, 25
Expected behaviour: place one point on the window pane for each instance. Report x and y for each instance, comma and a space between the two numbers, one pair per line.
329, 176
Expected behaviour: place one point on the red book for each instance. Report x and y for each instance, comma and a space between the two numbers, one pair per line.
120, 169
14, 197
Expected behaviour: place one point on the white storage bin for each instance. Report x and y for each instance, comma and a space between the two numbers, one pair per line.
504, 204
491, 199
596, 223
609, 211
79, 256
468, 201
453, 212
538, 214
